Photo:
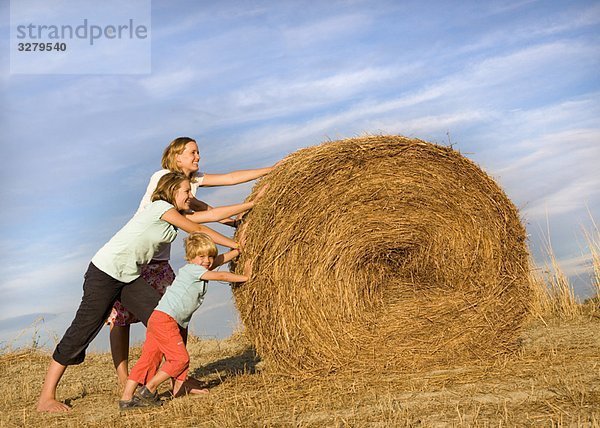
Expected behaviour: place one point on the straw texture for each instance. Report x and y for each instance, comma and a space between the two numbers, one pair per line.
381, 252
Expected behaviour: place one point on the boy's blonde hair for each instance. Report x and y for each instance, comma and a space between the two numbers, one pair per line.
167, 186
199, 244
175, 147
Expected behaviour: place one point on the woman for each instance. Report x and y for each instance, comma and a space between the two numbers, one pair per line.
181, 155
114, 272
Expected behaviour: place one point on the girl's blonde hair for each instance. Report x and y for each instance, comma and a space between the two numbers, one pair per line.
167, 186
175, 147
199, 244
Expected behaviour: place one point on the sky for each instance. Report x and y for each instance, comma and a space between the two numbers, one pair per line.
512, 85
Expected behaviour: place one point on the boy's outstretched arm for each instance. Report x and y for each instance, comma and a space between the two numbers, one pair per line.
221, 259
223, 276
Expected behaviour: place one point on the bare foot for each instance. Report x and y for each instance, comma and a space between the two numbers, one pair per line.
190, 386
51, 405
195, 391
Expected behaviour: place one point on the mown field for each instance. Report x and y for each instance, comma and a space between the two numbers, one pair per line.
554, 380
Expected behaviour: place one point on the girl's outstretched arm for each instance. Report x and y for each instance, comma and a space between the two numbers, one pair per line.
198, 205
176, 219
219, 213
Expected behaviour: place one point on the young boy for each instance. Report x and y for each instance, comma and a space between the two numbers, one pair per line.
163, 337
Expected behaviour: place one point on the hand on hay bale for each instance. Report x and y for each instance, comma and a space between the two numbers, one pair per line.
254, 197
381, 252
248, 268
257, 194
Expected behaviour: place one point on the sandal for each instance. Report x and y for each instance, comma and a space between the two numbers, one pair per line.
149, 398
134, 403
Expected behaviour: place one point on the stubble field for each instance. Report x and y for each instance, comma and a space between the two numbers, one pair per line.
553, 380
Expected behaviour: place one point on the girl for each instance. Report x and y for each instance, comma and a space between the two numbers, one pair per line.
114, 272
181, 155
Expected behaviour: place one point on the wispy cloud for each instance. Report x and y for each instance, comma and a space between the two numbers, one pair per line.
274, 98
573, 196
412, 110
524, 31
50, 288
555, 172
167, 83
324, 30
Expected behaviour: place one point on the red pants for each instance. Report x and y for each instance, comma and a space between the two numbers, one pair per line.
163, 338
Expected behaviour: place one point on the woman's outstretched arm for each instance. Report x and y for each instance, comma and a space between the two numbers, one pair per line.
235, 177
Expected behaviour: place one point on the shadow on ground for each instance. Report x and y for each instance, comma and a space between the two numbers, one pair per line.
218, 371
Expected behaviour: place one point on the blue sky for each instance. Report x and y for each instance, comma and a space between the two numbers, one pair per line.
514, 85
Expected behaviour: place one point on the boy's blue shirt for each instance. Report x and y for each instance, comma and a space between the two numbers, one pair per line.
185, 295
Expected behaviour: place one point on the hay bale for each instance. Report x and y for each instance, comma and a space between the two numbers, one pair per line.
381, 252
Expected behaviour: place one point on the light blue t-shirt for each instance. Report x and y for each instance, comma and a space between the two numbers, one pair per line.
185, 295
136, 243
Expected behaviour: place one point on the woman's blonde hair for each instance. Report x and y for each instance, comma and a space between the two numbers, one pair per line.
175, 147
167, 186
199, 244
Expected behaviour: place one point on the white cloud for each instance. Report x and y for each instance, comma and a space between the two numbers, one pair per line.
169, 82
427, 125
194, 20
320, 90
579, 18
324, 30
555, 172
510, 6
52, 288
574, 196
480, 82
283, 97
574, 146
521, 33
476, 79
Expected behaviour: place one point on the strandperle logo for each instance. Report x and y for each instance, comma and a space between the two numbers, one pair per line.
80, 37
85, 31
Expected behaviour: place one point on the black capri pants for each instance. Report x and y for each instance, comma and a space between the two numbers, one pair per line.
100, 291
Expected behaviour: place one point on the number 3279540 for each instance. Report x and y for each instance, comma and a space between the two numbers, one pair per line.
41, 47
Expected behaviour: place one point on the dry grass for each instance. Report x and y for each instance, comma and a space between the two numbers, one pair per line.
542, 302
563, 303
593, 240
553, 381
553, 294
382, 252
29, 335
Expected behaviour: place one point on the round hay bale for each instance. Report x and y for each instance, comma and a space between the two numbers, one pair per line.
381, 252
